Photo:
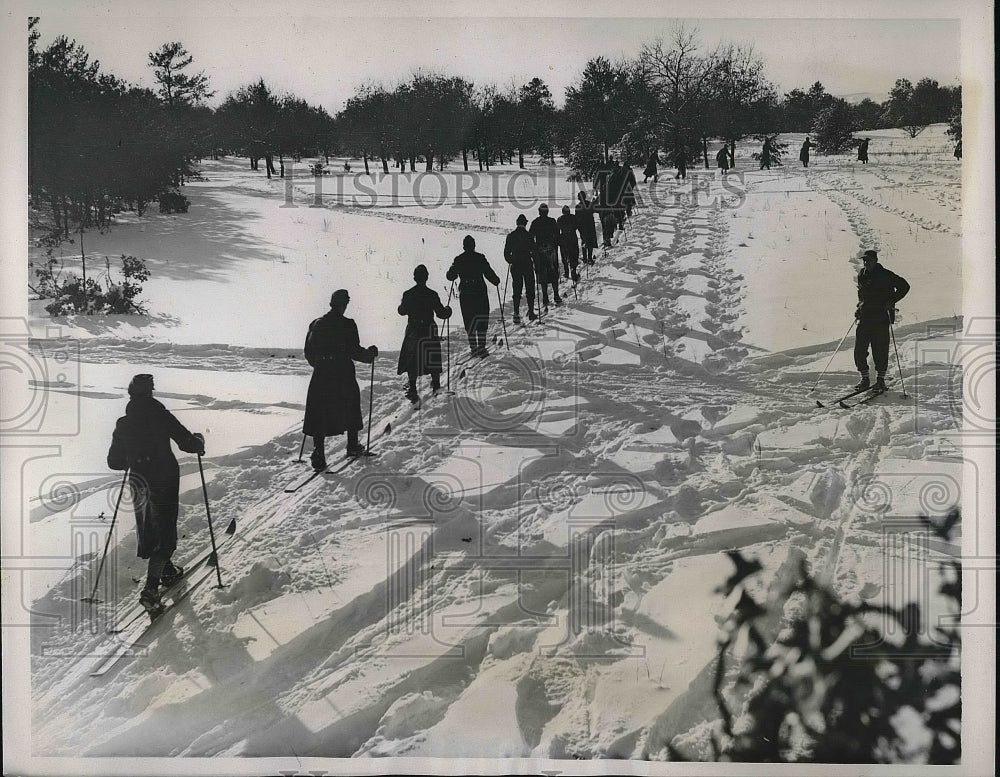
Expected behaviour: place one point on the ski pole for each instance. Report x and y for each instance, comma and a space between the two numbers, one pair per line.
92, 599
302, 447
447, 337
503, 320
214, 560
853, 322
371, 401
898, 365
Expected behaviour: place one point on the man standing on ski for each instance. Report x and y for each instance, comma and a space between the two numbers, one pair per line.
588, 231
473, 270
545, 233
569, 244
651, 169
141, 444
517, 251
804, 152
333, 403
879, 289
420, 353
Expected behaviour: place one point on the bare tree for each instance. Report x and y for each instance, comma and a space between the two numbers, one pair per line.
679, 77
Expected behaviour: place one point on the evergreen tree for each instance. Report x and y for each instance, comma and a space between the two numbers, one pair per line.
177, 87
834, 127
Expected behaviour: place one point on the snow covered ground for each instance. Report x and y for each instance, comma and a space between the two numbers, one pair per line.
527, 570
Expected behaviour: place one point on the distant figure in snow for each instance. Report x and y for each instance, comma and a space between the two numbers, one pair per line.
333, 402
569, 244
958, 150
420, 353
879, 289
585, 212
141, 444
473, 270
804, 152
765, 154
680, 160
651, 168
517, 251
863, 151
722, 159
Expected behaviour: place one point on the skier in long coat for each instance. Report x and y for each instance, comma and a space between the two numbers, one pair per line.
765, 154
473, 270
333, 403
651, 169
585, 213
569, 244
517, 252
879, 289
141, 444
616, 193
545, 232
680, 159
420, 353
804, 152
863, 151
628, 193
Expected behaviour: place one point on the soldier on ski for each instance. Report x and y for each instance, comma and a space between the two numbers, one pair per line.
141, 444
585, 212
804, 152
651, 169
545, 233
863, 151
628, 193
680, 159
517, 252
879, 289
765, 154
569, 245
473, 270
616, 193
420, 353
333, 403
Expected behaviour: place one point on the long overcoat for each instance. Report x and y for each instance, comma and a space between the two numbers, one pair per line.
420, 353
588, 230
333, 403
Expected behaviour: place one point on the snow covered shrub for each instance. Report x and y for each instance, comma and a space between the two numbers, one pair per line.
173, 201
840, 682
102, 295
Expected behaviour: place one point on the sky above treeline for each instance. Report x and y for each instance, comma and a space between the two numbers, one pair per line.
323, 59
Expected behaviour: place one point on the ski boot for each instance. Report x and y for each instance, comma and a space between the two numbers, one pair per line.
879, 384
318, 459
149, 598
517, 318
864, 384
171, 574
354, 446
531, 315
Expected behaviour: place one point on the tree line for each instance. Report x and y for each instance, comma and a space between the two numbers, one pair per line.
98, 145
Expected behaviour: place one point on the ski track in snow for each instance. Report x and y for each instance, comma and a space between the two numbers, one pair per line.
621, 446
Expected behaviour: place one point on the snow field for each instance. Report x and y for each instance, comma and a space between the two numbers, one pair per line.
528, 567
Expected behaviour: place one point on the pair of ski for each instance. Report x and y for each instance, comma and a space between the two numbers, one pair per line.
870, 393
136, 625
343, 463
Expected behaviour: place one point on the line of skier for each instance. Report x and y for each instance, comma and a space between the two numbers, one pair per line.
141, 440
